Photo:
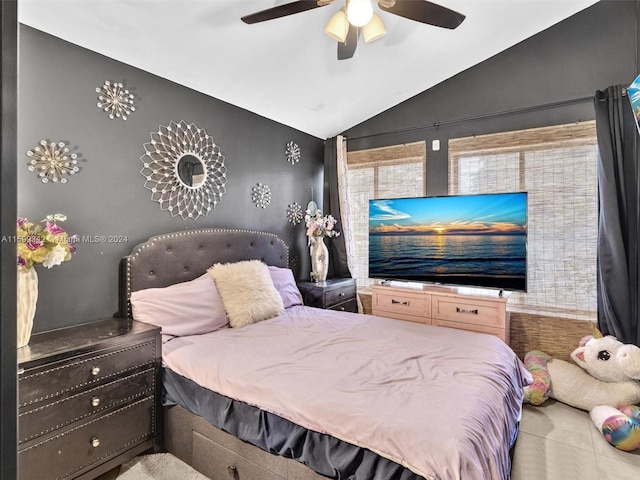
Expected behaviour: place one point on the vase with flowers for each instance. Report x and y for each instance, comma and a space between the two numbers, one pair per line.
45, 243
318, 228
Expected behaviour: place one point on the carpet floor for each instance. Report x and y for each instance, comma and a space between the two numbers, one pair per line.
158, 466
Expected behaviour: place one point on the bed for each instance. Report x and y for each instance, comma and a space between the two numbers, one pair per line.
307, 393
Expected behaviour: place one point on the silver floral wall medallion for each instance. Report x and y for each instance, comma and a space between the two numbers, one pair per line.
293, 153
294, 213
52, 162
184, 169
261, 195
115, 100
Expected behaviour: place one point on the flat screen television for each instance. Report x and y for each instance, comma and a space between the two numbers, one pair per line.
472, 240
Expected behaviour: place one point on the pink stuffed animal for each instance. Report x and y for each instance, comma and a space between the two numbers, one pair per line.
604, 382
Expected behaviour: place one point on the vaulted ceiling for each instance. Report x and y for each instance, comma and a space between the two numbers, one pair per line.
286, 69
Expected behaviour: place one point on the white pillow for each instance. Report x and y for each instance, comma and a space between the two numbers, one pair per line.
247, 292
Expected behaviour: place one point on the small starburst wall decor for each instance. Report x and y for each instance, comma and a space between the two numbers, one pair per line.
261, 195
294, 213
52, 162
293, 153
115, 100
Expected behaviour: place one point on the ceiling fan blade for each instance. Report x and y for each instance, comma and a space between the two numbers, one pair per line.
347, 48
284, 10
424, 12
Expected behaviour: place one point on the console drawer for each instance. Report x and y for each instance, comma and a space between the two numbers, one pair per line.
74, 450
42, 419
476, 312
56, 379
403, 305
470, 327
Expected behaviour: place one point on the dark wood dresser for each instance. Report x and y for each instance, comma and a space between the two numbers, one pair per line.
88, 399
333, 294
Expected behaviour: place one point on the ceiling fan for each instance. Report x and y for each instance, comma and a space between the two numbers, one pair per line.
358, 15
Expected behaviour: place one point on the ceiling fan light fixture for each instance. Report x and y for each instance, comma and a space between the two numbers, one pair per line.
338, 26
387, 3
374, 30
359, 12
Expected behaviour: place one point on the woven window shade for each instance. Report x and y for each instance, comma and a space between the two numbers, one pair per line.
557, 167
388, 172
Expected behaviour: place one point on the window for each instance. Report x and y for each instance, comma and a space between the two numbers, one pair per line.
557, 167
387, 172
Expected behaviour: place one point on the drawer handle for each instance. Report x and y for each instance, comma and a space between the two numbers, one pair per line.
95, 401
95, 442
341, 294
233, 472
464, 310
342, 309
95, 371
398, 302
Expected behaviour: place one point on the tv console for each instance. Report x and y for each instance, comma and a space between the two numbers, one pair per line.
483, 311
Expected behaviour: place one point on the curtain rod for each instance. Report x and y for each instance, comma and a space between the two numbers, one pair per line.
436, 125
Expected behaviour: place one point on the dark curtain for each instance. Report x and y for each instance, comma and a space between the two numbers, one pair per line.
618, 222
338, 267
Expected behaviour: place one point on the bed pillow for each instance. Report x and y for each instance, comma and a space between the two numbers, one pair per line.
187, 308
247, 292
284, 282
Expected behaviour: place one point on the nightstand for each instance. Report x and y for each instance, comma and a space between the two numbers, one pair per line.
332, 294
88, 398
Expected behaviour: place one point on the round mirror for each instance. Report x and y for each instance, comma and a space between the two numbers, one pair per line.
312, 208
191, 170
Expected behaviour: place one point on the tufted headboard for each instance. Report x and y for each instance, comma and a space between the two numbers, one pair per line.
182, 256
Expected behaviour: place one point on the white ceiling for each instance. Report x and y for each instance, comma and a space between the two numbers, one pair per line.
286, 69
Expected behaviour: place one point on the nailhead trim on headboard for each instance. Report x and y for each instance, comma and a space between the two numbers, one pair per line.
147, 252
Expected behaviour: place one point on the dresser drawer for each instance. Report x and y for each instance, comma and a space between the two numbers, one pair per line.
339, 295
42, 419
328, 294
228, 464
401, 304
77, 449
476, 312
348, 306
56, 379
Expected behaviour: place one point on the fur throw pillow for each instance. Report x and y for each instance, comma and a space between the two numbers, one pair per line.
247, 292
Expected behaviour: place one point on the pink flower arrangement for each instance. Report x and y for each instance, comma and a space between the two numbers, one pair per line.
319, 226
49, 245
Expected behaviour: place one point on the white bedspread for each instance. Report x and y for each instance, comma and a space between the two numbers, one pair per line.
442, 402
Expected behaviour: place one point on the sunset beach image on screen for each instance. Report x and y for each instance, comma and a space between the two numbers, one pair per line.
475, 240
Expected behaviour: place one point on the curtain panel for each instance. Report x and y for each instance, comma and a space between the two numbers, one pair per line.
338, 266
617, 260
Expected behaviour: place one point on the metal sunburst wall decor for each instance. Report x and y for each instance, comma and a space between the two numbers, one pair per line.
115, 100
261, 195
184, 169
293, 153
294, 213
52, 162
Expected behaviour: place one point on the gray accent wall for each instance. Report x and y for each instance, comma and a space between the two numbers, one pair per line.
548, 79
545, 80
57, 101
